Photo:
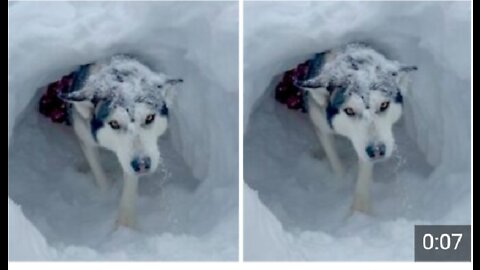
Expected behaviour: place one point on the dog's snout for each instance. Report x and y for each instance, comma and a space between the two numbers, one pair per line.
141, 164
375, 151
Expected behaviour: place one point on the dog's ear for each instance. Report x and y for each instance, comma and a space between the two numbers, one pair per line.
408, 68
315, 89
81, 101
320, 95
403, 78
174, 81
167, 90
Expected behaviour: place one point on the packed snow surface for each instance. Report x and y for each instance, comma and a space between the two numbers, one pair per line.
187, 211
124, 80
295, 209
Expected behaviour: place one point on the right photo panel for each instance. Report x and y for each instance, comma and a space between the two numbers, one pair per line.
357, 136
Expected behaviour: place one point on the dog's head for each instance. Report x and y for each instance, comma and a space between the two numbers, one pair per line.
128, 111
363, 106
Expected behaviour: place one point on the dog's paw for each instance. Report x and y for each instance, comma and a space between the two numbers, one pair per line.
361, 204
340, 173
104, 187
125, 220
342, 179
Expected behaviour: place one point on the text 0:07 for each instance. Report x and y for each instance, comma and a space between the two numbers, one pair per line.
444, 241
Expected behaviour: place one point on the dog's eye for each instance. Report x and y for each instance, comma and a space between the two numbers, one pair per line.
149, 119
114, 124
384, 106
349, 111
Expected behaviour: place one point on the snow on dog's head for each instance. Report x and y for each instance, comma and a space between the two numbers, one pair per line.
127, 106
362, 93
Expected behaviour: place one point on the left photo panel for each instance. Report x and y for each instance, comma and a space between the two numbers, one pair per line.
123, 131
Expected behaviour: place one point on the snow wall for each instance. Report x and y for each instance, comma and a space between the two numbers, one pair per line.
294, 209
188, 211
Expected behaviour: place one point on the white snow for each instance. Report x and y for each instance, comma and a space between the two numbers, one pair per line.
294, 210
124, 79
374, 68
30, 243
189, 215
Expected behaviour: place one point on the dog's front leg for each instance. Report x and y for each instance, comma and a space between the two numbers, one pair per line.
126, 216
327, 142
91, 154
361, 200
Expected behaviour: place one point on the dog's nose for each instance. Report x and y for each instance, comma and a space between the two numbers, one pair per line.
375, 151
141, 164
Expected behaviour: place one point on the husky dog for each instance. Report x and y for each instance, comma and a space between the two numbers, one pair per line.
121, 105
357, 93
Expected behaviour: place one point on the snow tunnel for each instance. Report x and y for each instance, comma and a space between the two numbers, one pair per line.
187, 210
293, 211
